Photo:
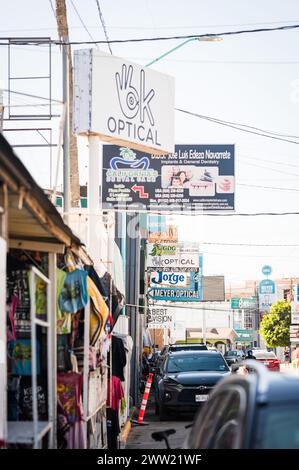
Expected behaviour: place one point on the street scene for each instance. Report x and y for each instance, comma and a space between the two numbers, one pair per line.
149, 250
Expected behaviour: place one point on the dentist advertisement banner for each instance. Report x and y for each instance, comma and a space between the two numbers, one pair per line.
195, 177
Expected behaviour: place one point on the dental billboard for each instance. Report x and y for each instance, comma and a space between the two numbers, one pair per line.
194, 177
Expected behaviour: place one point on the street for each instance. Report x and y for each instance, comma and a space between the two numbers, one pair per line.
140, 437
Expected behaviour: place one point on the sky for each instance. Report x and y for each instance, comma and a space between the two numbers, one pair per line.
251, 79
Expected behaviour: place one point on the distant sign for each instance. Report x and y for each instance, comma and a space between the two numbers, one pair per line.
161, 231
244, 336
176, 285
122, 102
244, 302
159, 317
267, 287
266, 270
195, 177
265, 302
295, 312
213, 288
170, 279
296, 293
172, 257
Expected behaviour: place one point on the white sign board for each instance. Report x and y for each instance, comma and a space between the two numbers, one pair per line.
295, 312
171, 257
159, 317
265, 302
169, 279
122, 102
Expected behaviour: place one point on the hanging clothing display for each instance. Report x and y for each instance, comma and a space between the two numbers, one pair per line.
73, 296
60, 278
18, 286
99, 312
69, 390
119, 358
19, 352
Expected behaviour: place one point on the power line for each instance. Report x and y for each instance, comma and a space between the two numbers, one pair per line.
274, 188
32, 96
269, 161
225, 123
52, 8
165, 38
270, 169
251, 244
104, 26
82, 22
279, 134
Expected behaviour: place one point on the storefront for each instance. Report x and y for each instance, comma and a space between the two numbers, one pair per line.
56, 325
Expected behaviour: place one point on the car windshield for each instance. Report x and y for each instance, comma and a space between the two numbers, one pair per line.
231, 353
196, 363
279, 428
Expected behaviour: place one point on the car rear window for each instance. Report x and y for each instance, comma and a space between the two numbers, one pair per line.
231, 353
278, 427
187, 348
264, 354
195, 363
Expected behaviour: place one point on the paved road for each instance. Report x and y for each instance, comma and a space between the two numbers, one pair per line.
140, 436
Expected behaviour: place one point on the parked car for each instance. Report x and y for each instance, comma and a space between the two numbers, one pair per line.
184, 380
180, 347
268, 358
257, 411
234, 356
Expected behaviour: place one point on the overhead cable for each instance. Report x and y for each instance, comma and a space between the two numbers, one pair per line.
166, 38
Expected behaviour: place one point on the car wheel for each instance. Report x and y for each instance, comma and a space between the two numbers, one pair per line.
163, 414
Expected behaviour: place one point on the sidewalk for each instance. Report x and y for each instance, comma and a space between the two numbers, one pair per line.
140, 437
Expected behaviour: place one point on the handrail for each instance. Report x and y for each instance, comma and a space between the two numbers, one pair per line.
261, 373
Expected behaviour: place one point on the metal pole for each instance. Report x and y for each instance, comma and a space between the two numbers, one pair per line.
1, 110
66, 136
33, 360
52, 346
204, 333
93, 197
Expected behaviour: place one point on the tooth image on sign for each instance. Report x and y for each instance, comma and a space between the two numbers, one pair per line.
176, 279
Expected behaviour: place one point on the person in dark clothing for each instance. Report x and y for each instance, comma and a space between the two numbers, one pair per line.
250, 355
119, 359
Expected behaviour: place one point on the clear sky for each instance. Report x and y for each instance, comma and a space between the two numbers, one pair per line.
251, 79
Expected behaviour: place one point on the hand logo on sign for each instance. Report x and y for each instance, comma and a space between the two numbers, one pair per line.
127, 94
131, 102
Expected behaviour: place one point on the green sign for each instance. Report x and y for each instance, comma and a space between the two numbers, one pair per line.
244, 336
244, 302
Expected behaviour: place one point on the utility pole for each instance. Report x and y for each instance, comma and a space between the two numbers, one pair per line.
1, 110
70, 150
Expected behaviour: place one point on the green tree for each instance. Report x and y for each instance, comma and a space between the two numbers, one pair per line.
275, 326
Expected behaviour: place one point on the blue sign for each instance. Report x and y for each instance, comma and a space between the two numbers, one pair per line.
267, 270
157, 223
267, 287
161, 280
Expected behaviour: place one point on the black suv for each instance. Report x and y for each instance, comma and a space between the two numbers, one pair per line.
184, 380
256, 411
234, 356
